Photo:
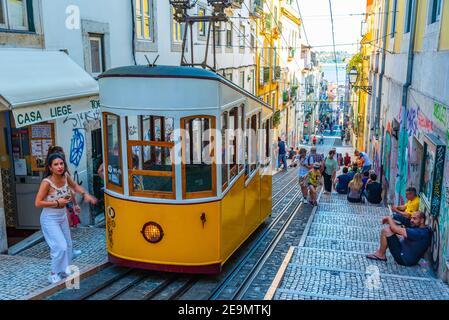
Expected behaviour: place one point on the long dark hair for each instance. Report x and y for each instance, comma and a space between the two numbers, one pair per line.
54, 152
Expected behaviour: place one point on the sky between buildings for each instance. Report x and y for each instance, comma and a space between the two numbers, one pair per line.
347, 23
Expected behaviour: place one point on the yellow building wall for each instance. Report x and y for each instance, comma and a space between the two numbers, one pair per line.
444, 33
420, 25
4, 158
400, 16
269, 42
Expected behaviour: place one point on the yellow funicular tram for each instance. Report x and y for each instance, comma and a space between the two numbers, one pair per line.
187, 167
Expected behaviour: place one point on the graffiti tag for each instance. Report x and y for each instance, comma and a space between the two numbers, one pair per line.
412, 126
440, 112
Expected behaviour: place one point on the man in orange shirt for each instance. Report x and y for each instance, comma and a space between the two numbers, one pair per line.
404, 213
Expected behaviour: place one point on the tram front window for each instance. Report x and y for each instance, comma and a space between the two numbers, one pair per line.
199, 157
150, 150
114, 167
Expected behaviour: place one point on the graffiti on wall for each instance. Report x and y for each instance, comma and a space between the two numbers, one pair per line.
76, 147
79, 120
412, 124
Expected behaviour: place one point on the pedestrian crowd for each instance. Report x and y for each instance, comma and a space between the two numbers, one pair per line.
405, 233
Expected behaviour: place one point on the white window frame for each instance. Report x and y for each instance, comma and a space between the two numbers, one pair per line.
228, 29
175, 24
6, 25
394, 16
439, 11
408, 16
99, 38
142, 22
242, 36
202, 34
218, 34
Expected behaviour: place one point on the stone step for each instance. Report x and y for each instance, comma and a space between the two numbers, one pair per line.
351, 208
334, 283
356, 261
344, 232
340, 244
348, 220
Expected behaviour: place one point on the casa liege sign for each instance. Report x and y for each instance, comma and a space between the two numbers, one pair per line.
49, 111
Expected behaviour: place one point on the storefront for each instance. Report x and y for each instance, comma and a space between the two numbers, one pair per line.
45, 99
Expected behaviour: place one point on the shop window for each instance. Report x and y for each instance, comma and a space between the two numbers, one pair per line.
150, 150
113, 168
198, 149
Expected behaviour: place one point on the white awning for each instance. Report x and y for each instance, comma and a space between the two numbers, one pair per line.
42, 85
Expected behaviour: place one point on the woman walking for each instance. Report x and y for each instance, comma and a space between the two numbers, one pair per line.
53, 196
330, 171
303, 172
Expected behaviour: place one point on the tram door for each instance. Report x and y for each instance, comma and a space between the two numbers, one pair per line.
97, 160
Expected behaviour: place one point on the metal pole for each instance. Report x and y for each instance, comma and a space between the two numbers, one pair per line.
11, 159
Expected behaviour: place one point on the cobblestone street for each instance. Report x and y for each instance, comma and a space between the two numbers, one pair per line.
25, 274
331, 263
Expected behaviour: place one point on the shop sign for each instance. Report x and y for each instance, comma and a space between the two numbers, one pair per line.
49, 111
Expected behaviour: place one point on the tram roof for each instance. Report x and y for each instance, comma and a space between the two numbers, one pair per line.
146, 71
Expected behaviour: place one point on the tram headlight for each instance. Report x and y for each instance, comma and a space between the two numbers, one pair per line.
152, 232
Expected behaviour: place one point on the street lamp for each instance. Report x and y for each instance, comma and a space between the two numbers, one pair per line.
353, 75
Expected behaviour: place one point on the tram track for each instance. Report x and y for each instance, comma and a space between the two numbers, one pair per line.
288, 212
127, 283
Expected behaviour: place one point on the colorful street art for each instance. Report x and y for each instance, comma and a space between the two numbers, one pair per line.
387, 156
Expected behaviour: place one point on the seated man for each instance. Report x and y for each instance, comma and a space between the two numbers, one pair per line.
342, 182
373, 190
407, 245
403, 213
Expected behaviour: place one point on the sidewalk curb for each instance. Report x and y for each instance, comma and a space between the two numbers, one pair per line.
49, 290
280, 274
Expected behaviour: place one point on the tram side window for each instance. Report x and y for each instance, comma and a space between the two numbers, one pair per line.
224, 151
199, 157
253, 142
267, 141
114, 178
241, 138
150, 149
233, 141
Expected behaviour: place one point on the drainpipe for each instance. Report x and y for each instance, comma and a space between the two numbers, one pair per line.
379, 88
133, 31
401, 183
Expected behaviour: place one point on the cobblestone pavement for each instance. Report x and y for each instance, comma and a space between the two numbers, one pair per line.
27, 272
332, 264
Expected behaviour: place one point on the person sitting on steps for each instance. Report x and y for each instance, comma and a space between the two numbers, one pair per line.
403, 213
407, 245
